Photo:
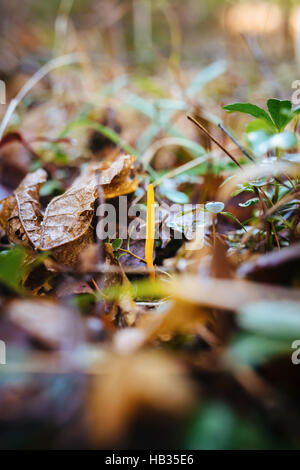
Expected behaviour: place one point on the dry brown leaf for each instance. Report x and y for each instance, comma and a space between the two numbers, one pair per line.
130, 382
180, 317
115, 177
227, 294
48, 322
68, 217
276, 267
20, 215
69, 253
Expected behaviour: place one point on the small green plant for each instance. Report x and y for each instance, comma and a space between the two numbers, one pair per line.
268, 130
273, 198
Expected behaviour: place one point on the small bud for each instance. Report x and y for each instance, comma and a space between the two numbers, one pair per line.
214, 207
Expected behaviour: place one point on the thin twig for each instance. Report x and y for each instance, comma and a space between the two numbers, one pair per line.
275, 235
242, 149
132, 254
98, 288
214, 140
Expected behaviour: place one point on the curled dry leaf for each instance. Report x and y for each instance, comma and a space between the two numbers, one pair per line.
116, 178
68, 217
21, 215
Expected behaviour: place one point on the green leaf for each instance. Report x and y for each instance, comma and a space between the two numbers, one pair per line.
216, 426
176, 196
117, 243
144, 289
259, 125
149, 85
104, 130
51, 187
204, 76
12, 267
285, 140
243, 189
251, 109
231, 216
83, 301
281, 112
253, 350
211, 428
261, 142
296, 110
107, 132
250, 202
275, 319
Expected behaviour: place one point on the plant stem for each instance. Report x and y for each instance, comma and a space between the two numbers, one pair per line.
214, 140
214, 229
234, 140
275, 235
132, 254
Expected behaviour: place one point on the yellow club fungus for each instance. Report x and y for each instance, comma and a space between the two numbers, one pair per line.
150, 230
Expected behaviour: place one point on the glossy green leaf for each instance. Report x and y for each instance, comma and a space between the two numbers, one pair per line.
117, 243
281, 112
51, 187
251, 110
250, 202
12, 267
260, 125
231, 216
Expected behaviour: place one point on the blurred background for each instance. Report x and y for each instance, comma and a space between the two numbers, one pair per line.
134, 65
151, 35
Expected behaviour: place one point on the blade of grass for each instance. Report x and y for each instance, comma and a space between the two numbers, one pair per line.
39, 75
